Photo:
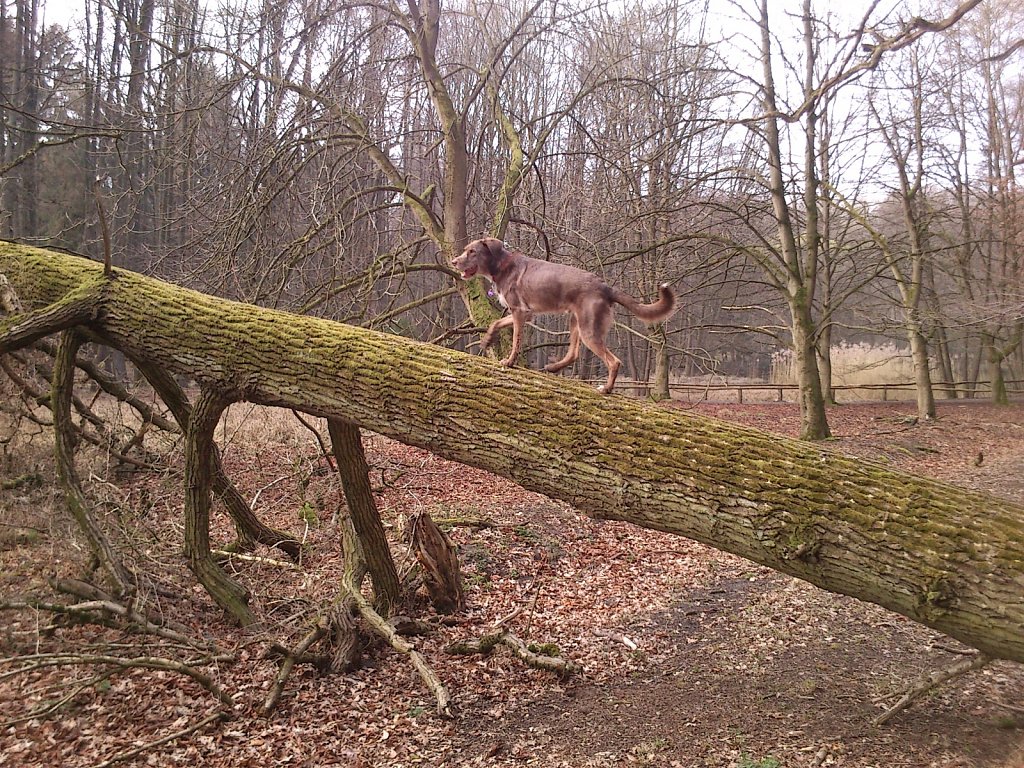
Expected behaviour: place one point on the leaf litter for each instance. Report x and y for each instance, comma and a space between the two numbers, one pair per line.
691, 657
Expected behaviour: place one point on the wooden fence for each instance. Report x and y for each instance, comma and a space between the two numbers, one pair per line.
890, 391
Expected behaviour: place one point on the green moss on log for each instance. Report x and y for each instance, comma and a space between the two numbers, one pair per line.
945, 556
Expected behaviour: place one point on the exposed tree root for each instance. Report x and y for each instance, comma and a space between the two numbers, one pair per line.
383, 629
338, 628
355, 570
347, 447
199, 445
344, 637
291, 658
930, 681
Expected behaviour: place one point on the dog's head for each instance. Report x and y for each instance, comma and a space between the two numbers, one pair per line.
480, 257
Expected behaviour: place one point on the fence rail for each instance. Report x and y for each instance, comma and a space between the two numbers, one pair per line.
963, 389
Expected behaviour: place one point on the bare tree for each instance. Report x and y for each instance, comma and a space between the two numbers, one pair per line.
909, 258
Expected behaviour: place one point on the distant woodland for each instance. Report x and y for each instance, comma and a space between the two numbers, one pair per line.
803, 177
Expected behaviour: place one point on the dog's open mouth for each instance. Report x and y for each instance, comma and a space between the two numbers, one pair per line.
468, 273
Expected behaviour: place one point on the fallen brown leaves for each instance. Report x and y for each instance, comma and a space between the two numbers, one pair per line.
689, 656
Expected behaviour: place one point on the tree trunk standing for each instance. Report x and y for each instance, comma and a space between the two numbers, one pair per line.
908, 263
828, 251
915, 206
801, 273
23, 189
824, 352
922, 368
424, 29
7, 154
947, 557
994, 357
942, 345
813, 420
660, 386
347, 446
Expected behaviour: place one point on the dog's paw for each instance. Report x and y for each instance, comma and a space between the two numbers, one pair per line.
485, 341
604, 389
509, 362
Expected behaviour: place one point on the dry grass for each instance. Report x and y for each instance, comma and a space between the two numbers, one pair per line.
858, 365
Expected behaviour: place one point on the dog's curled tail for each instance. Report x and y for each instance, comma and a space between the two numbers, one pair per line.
649, 313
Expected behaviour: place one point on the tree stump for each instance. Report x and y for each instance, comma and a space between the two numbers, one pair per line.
440, 563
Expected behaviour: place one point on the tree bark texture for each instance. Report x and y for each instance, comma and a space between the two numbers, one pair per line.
949, 558
347, 446
64, 445
199, 448
439, 564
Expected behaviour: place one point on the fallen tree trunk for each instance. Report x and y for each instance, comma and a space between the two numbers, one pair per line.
944, 556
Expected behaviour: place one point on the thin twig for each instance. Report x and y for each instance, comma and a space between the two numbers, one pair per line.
121, 756
39, 661
56, 705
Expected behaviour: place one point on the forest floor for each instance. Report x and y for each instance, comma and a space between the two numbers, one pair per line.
690, 657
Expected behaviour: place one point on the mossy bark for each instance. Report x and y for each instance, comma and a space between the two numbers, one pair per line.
77, 307
947, 557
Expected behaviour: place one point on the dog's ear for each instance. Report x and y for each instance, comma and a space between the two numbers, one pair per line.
496, 253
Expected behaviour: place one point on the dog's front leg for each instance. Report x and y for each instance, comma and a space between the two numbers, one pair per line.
488, 338
518, 319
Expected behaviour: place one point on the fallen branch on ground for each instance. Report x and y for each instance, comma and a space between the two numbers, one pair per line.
269, 561
543, 657
179, 632
42, 660
930, 681
291, 657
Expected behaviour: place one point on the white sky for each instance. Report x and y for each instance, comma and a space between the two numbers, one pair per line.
65, 11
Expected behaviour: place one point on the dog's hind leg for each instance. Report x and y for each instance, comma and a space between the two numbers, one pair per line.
611, 361
593, 334
574, 348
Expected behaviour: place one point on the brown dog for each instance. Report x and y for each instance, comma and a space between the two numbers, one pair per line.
531, 287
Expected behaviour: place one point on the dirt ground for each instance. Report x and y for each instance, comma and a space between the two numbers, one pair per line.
691, 657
